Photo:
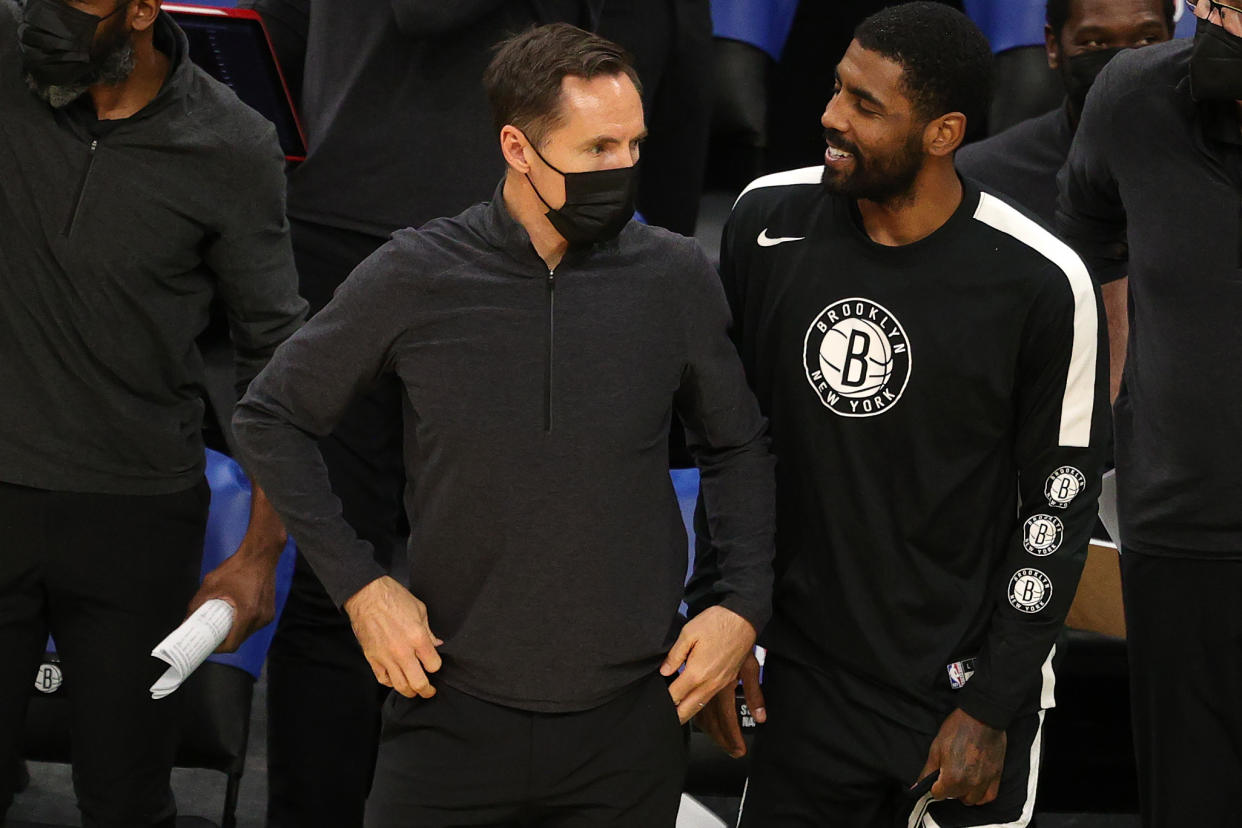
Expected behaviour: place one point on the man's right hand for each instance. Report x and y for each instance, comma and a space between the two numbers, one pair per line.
719, 718
391, 625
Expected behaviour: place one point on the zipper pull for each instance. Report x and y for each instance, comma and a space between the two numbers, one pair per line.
547, 377
86, 174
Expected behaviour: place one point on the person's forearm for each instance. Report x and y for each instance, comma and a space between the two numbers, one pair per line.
738, 488
1116, 308
265, 533
287, 465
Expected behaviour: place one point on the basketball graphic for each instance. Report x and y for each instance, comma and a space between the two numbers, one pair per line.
49, 677
1063, 486
1043, 535
857, 358
1029, 590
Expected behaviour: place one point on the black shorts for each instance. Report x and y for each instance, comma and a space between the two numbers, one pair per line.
822, 759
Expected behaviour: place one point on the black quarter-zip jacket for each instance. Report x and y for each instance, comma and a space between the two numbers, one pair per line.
546, 538
1152, 190
115, 238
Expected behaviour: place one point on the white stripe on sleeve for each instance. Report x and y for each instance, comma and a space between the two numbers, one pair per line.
1079, 396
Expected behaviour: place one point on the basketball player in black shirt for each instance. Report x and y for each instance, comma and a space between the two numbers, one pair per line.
933, 363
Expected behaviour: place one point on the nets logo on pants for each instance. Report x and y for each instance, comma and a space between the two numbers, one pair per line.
857, 358
49, 678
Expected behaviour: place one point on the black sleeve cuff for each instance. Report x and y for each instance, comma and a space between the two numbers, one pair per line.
985, 710
757, 612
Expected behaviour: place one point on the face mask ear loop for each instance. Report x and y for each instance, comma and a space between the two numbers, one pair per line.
541, 158
539, 194
532, 183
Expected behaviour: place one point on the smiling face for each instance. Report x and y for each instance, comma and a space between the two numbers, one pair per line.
874, 133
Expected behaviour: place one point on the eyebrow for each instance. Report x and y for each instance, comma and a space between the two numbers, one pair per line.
859, 92
1144, 26
608, 139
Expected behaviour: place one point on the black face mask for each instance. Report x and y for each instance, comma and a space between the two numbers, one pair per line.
1080, 72
56, 41
1215, 64
597, 204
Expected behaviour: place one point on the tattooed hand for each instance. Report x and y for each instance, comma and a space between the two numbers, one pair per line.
970, 756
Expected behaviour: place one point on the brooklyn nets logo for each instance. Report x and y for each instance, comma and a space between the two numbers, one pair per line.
1063, 486
1043, 535
1029, 590
49, 678
857, 358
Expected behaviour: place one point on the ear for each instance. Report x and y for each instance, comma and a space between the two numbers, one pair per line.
513, 147
945, 134
142, 14
1052, 45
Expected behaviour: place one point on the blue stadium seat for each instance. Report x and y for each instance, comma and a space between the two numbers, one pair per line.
761, 23
1009, 24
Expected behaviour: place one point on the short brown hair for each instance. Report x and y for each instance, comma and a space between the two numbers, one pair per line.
523, 81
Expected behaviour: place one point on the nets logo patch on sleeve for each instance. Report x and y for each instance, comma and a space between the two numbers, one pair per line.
857, 358
1063, 486
1029, 590
1042, 535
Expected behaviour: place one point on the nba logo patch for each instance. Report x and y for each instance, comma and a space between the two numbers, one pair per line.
960, 673
857, 358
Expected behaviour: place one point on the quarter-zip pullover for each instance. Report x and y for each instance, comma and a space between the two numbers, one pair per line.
115, 237
1152, 190
546, 538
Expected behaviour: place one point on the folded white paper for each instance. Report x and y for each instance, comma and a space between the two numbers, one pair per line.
189, 645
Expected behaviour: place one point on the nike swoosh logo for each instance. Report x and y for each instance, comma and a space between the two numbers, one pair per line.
765, 240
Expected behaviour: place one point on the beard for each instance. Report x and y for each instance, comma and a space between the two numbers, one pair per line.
883, 180
112, 62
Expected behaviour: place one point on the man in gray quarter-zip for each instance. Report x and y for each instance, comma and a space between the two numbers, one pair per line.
434, 156
134, 190
543, 341
1152, 192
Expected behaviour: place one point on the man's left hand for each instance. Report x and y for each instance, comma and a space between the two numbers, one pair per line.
247, 579
712, 647
970, 757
